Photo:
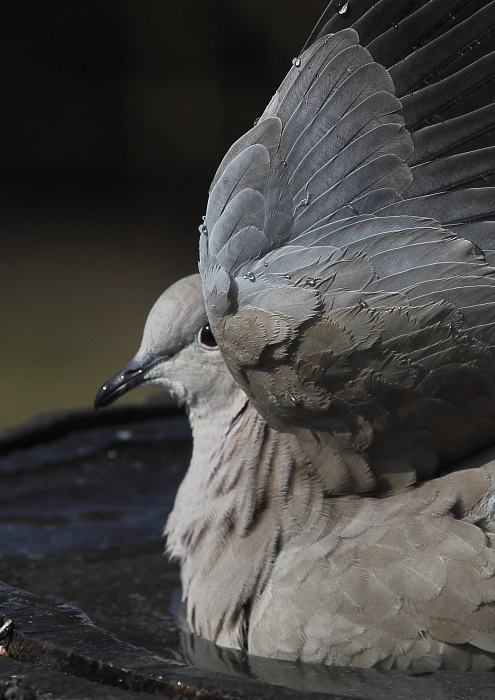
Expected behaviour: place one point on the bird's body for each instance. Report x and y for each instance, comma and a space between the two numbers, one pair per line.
346, 276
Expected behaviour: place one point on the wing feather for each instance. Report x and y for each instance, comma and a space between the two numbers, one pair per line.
345, 262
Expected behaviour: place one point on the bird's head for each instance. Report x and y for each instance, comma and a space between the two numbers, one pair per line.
178, 351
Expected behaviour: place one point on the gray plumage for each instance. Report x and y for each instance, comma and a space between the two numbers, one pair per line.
347, 280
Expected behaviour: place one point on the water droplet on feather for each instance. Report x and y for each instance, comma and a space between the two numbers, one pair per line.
250, 276
291, 398
342, 7
296, 62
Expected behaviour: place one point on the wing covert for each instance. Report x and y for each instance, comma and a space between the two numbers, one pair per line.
340, 302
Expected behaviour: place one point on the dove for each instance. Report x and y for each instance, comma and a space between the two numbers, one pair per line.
336, 355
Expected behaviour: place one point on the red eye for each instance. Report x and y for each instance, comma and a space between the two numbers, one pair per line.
207, 338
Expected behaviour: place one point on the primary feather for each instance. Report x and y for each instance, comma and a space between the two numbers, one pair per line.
346, 273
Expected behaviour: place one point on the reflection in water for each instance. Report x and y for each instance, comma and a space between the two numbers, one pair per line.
365, 684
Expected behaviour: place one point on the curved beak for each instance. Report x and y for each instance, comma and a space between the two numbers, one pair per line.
133, 374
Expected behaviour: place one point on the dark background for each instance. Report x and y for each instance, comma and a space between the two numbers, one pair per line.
115, 115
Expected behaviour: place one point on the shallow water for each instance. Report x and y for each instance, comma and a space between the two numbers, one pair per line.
81, 516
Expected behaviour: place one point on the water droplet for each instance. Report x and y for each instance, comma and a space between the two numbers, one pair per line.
287, 277
342, 7
203, 230
250, 276
363, 304
265, 264
272, 399
289, 396
256, 121
296, 62
311, 281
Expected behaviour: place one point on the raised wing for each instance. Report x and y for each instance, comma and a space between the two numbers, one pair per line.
347, 311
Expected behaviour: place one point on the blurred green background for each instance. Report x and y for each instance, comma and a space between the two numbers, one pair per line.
115, 116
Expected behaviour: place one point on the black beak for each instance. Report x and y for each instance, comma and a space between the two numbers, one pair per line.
132, 375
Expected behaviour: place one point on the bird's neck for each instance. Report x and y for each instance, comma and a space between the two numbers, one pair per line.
247, 493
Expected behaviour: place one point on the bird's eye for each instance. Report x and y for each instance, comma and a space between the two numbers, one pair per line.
206, 338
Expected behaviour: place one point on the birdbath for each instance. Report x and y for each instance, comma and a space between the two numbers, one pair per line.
89, 604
